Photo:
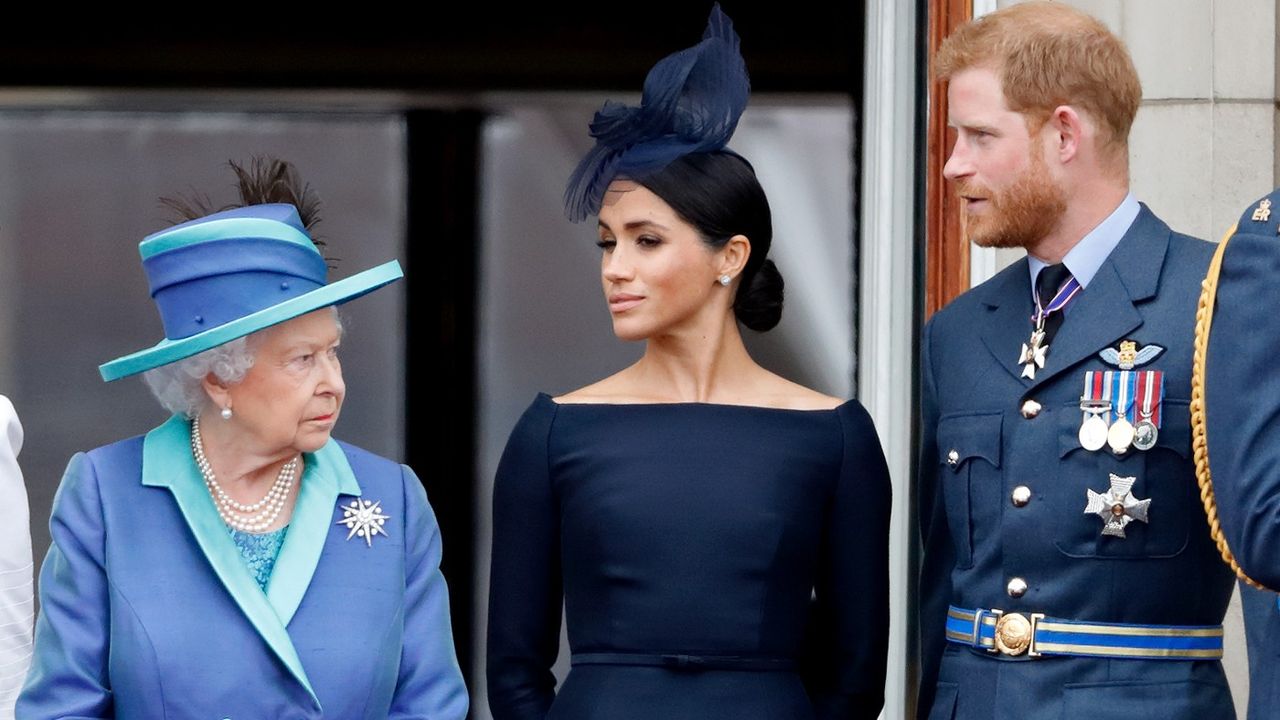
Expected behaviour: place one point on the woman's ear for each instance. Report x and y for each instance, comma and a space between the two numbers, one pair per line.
217, 390
734, 256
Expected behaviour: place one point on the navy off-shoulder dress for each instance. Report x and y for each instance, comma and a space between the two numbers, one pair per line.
714, 561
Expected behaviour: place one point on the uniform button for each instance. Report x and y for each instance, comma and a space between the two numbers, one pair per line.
1017, 587
1030, 409
953, 457
1021, 495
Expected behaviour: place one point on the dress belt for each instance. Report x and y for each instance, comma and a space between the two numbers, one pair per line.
1033, 634
687, 662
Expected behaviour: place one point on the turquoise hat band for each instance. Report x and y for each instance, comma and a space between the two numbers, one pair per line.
335, 293
223, 229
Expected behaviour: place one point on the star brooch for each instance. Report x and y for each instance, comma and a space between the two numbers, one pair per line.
364, 518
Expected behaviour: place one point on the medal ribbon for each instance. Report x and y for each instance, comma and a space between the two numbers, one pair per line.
1130, 381
1059, 301
1107, 388
1152, 383
1092, 392
1123, 389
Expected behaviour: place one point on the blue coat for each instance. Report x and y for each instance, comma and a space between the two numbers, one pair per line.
1242, 395
148, 610
976, 539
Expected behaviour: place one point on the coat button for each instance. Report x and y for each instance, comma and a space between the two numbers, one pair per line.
953, 457
1030, 409
1017, 587
1020, 496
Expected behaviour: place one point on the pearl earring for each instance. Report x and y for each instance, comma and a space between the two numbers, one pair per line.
725, 280
226, 413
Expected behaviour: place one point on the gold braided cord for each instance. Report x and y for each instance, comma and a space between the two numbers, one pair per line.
1199, 438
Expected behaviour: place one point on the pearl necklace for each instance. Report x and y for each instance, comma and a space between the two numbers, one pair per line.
252, 517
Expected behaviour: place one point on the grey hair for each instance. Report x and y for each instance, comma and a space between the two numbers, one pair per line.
178, 385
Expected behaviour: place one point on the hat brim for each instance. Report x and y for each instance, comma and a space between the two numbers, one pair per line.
335, 293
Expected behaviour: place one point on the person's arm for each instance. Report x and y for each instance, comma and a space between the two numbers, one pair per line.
429, 686
851, 606
16, 604
1242, 400
69, 679
938, 554
524, 583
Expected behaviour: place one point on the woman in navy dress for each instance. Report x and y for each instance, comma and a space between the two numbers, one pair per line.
717, 534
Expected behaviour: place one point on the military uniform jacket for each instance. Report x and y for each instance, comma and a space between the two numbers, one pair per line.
977, 447
1242, 393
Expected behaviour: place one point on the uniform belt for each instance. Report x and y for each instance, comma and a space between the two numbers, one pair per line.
1013, 634
686, 662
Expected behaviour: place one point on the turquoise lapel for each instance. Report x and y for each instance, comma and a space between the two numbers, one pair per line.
167, 462
327, 474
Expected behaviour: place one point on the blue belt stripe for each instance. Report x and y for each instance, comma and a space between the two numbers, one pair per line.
1119, 639
1130, 641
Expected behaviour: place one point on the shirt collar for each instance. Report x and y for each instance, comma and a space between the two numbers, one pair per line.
1087, 256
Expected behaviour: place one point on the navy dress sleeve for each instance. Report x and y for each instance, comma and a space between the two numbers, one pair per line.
849, 633
525, 594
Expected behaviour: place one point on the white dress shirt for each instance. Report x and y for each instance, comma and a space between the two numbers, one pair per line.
16, 605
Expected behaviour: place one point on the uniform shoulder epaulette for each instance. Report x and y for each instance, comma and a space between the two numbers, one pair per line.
1261, 217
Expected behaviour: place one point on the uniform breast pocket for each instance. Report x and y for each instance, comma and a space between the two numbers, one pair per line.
969, 455
1164, 475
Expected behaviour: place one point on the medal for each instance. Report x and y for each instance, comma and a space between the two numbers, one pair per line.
1120, 434
1036, 349
1033, 353
1147, 432
1093, 431
1095, 403
1117, 506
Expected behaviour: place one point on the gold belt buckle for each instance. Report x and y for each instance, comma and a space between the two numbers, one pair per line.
1015, 633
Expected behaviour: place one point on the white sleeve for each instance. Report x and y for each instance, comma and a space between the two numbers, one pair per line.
16, 605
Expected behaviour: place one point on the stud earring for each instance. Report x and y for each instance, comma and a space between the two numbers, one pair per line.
226, 413
725, 280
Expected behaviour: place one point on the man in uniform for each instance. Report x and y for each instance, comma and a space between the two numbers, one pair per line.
1241, 427
1067, 570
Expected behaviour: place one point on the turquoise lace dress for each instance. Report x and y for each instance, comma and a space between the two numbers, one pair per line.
259, 551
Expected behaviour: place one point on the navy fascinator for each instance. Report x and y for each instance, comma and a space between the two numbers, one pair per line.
691, 103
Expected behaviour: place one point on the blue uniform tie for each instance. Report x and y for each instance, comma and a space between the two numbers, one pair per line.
1049, 282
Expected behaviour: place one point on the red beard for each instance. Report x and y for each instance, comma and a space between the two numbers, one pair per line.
1018, 216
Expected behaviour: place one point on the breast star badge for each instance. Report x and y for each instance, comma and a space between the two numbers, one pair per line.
1117, 506
364, 518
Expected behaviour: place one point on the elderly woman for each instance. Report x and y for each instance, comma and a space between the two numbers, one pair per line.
237, 562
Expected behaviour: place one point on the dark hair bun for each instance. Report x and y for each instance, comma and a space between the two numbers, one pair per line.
759, 302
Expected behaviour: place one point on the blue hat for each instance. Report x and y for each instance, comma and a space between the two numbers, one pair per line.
691, 103
226, 275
